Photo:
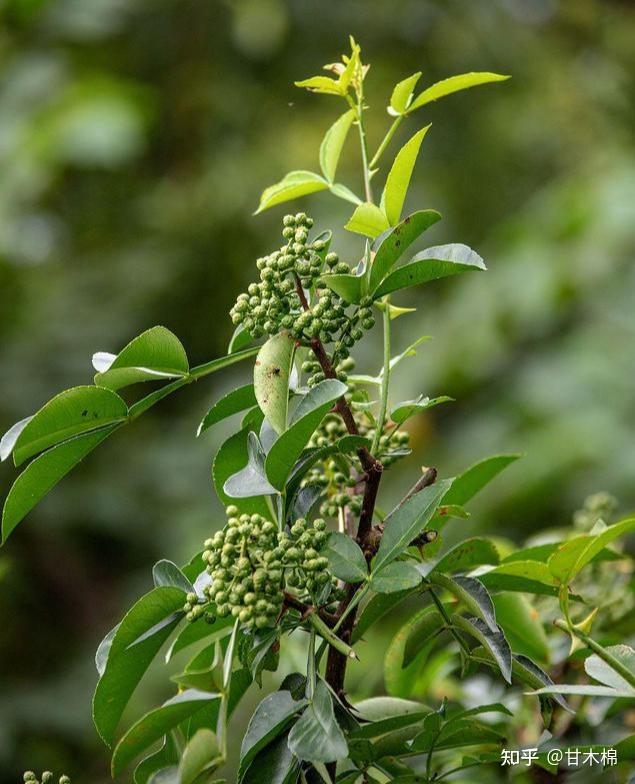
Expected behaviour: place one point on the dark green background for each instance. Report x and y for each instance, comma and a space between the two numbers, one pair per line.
135, 138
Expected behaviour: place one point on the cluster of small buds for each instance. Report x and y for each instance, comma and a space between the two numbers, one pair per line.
251, 563
391, 445
315, 374
46, 778
275, 302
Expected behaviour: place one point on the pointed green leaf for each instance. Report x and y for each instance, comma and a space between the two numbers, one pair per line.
396, 576
200, 755
367, 220
271, 379
431, 264
41, 475
452, 85
494, 642
402, 94
346, 560
165, 572
342, 192
320, 84
522, 626
156, 723
71, 413
349, 287
389, 247
466, 555
523, 576
128, 659
154, 355
585, 690
307, 416
399, 176
331, 147
232, 403
403, 411
292, 186
574, 555
471, 593
407, 521
316, 736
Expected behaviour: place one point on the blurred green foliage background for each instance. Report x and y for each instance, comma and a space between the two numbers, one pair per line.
135, 138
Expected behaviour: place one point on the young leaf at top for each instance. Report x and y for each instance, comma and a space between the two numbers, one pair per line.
402, 94
346, 560
431, 264
393, 243
316, 736
71, 413
41, 476
271, 378
407, 521
452, 85
398, 180
154, 355
368, 220
331, 147
292, 186
232, 403
306, 417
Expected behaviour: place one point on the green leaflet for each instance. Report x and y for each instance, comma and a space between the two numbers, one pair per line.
467, 554
402, 94
346, 560
349, 287
251, 480
494, 642
398, 179
390, 246
166, 756
71, 413
292, 186
472, 594
271, 379
154, 355
368, 220
41, 475
232, 403
307, 416
231, 458
331, 147
156, 723
452, 85
522, 626
128, 658
200, 755
403, 411
316, 736
395, 577
431, 264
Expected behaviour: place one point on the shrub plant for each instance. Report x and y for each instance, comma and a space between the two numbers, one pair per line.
308, 550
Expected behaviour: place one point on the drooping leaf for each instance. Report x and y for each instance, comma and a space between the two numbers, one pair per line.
154, 355
251, 481
127, 662
316, 736
271, 378
467, 484
399, 176
403, 411
494, 642
275, 764
431, 264
306, 417
292, 186
200, 755
522, 626
349, 287
346, 560
332, 143
407, 521
472, 594
402, 94
452, 85
389, 247
165, 572
41, 475
271, 717
156, 723
71, 413
235, 401
368, 220
230, 459
466, 555
396, 576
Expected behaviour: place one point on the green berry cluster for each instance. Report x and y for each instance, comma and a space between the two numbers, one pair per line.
275, 303
46, 778
251, 563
